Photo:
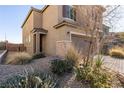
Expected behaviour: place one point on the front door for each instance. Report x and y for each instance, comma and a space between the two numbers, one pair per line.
34, 42
41, 42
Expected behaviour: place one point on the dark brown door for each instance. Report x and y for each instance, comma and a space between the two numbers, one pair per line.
34, 43
41, 42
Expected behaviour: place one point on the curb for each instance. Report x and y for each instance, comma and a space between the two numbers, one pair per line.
2, 56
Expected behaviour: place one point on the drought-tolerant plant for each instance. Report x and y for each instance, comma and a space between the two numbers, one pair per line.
72, 56
58, 66
19, 58
93, 74
117, 52
39, 55
30, 81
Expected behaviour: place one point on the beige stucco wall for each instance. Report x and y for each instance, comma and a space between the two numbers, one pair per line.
37, 19
47, 20
34, 21
62, 47
27, 34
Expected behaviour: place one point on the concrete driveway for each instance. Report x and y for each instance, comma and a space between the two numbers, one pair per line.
114, 64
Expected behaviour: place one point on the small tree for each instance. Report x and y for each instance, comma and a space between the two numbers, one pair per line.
91, 71
93, 17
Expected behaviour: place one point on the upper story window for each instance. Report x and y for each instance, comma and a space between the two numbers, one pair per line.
69, 12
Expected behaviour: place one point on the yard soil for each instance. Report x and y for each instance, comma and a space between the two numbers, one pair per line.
68, 80
42, 65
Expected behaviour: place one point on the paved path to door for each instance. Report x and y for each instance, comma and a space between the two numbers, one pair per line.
114, 64
1, 51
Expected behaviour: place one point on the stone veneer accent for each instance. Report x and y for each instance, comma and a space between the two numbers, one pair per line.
62, 47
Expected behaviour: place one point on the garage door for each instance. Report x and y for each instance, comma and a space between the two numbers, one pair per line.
80, 43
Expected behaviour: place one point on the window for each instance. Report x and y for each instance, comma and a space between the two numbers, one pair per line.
69, 12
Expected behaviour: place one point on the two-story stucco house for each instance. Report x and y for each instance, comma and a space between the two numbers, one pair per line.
54, 28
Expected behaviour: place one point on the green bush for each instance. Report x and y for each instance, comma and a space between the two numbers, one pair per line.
71, 59
59, 67
19, 58
39, 55
93, 74
83, 73
69, 66
30, 81
101, 79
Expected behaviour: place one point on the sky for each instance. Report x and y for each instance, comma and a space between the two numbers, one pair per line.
12, 17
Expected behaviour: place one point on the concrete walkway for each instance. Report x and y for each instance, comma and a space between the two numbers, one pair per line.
1, 51
114, 64
2, 55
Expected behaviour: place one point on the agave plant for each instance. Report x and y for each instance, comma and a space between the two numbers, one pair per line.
31, 81
94, 75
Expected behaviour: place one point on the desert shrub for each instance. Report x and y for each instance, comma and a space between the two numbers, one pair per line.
101, 80
30, 81
83, 74
19, 58
72, 56
69, 66
117, 52
60, 67
39, 55
93, 74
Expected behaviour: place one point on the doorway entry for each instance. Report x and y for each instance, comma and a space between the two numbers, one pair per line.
41, 43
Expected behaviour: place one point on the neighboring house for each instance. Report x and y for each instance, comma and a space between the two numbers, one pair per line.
110, 37
54, 29
115, 38
106, 30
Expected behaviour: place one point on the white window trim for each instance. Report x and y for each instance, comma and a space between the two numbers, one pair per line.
69, 19
63, 41
76, 33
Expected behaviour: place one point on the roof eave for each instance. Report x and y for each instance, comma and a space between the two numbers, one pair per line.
29, 13
33, 9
